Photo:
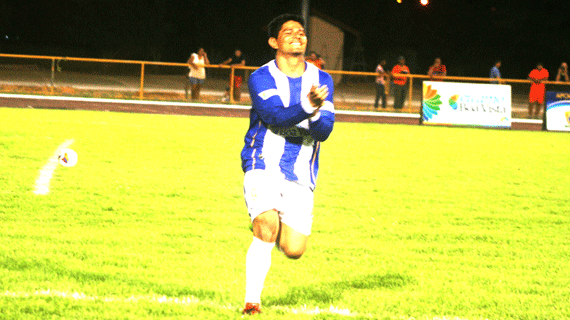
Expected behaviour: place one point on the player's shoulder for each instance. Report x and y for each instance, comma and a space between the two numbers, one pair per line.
323, 75
262, 71
261, 78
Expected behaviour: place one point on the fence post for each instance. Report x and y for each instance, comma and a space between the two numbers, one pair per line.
142, 81
410, 94
52, 75
232, 69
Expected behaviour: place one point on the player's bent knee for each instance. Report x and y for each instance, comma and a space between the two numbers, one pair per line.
294, 255
266, 226
293, 252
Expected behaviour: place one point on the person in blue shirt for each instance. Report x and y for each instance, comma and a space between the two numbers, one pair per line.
292, 114
495, 73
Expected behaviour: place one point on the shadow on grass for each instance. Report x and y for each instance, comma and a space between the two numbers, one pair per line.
330, 292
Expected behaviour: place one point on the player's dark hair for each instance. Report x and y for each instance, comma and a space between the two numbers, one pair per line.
276, 24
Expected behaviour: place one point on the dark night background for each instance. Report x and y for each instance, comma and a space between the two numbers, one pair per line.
467, 34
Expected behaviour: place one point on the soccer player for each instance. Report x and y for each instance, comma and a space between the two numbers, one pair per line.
537, 90
292, 113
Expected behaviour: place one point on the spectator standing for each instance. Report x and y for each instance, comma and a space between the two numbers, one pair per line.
562, 72
315, 59
400, 83
495, 73
437, 71
380, 84
236, 60
197, 74
537, 89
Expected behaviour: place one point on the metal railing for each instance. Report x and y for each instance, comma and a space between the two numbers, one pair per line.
140, 68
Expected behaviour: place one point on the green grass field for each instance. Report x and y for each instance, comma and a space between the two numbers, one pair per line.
411, 222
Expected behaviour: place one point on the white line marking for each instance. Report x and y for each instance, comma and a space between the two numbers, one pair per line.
188, 301
192, 301
219, 106
143, 102
190, 104
42, 184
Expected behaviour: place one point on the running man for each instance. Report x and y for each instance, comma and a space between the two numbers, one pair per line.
292, 113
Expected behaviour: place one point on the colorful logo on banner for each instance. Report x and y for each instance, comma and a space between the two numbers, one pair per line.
452, 103
430, 103
557, 111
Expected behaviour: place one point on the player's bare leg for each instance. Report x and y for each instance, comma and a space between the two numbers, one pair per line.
291, 242
266, 226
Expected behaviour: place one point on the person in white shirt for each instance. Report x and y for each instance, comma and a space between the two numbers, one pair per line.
197, 73
381, 84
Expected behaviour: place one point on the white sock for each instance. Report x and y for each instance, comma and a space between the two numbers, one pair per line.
257, 263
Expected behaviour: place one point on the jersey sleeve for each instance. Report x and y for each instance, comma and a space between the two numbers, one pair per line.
267, 103
321, 126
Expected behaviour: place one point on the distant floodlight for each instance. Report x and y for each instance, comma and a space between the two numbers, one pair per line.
399, 1
424, 2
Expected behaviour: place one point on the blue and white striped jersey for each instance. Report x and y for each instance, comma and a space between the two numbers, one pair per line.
281, 137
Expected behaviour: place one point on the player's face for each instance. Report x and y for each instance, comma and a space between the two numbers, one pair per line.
437, 62
292, 38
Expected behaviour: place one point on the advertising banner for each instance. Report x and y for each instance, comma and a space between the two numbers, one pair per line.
557, 111
466, 104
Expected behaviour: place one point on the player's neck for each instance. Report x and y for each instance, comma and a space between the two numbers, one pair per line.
291, 65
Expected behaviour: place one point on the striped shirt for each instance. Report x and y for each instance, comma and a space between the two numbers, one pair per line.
281, 137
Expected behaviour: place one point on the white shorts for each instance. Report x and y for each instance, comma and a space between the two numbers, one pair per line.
264, 191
